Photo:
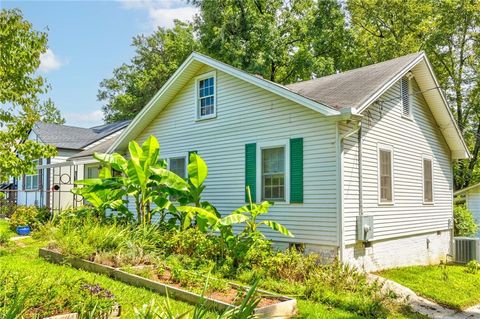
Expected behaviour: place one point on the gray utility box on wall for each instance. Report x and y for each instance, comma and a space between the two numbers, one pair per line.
364, 228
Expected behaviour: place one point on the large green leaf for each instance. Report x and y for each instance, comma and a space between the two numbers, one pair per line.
278, 227
136, 173
150, 151
88, 182
211, 217
135, 151
197, 170
165, 177
117, 161
233, 219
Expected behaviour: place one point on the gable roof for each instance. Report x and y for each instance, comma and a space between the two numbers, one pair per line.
351, 89
73, 137
337, 95
101, 147
466, 189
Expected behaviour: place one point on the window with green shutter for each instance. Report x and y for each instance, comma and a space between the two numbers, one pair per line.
296, 170
251, 170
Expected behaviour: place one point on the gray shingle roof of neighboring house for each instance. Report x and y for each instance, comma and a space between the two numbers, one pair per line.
72, 137
351, 89
99, 148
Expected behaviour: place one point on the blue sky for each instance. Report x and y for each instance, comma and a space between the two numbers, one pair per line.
87, 40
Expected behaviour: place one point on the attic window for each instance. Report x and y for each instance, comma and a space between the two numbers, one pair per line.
206, 96
405, 92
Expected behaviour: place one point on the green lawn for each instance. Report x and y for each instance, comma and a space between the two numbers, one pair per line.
23, 259
454, 288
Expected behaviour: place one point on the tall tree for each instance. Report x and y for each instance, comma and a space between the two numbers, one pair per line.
449, 32
157, 57
20, 49
49, 113
271, 38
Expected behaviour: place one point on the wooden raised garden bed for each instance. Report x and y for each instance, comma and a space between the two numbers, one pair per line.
270, 306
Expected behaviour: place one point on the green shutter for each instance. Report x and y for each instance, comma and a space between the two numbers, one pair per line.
188, 159
190, 153
251, 170
296, 170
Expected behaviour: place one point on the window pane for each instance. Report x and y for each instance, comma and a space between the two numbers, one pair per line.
427, 181
273, 173
177, 166
385, 176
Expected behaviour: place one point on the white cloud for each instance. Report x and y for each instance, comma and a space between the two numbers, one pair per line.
84, 119
49, 61
161, 13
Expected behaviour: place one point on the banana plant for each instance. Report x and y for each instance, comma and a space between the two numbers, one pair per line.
142, 176
193, 210
249, 213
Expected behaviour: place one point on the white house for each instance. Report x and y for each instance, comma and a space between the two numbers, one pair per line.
472, 201
359, 164
51, 184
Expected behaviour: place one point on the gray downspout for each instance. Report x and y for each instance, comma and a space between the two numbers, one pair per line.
354, 130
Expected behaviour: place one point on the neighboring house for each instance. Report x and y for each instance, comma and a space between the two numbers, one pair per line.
472, 201
54, 179
371, 146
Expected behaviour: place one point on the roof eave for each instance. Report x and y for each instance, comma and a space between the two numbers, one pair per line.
267, 85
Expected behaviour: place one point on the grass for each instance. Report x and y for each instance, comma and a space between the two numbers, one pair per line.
5, 228
453, 287
23, 259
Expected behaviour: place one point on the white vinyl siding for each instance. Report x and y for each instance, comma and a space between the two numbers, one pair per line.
249, 114
472, 198
410, 140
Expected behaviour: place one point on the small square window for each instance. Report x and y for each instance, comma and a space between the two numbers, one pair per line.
206, 97
31, 180
177, 166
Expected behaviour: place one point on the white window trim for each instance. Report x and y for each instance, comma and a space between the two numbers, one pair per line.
271, 144
179, 155
89, 165
30, 188
389, 148
409, 81
168, 157
197, 98
428, 157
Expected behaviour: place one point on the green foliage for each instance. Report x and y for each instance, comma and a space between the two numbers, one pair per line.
464, 223
457, 292
157, 57
49, 113
472, 267
29, 216
143, 177
20, 48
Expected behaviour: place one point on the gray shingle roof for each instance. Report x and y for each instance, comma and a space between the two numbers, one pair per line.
99, 148
352, 88
72, 137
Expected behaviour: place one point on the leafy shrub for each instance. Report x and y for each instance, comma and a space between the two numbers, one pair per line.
464, 223
29, 216
472, 267
4, 238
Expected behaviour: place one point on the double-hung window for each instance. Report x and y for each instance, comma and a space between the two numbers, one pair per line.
206, 96
273, 173
427, 180
385, 174
31, 180
177, 165
92, 171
